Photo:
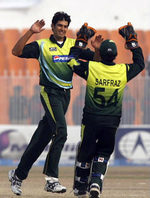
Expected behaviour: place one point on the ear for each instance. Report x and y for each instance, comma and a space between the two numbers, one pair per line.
52, 26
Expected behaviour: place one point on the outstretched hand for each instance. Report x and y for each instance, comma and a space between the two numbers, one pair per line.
97, 42
83, 35
37, 27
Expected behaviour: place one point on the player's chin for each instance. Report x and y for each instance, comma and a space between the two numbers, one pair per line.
62, 34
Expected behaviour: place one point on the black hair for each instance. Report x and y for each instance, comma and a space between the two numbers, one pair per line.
60, 16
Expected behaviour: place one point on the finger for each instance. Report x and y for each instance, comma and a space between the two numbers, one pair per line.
85, 24
92, 42
99, 36
42, 22
36, 22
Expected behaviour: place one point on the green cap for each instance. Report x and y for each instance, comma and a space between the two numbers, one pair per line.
108, 50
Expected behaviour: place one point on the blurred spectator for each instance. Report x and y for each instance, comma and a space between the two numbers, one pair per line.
18, 111
78, 106
35, 107
148, 65
128, 107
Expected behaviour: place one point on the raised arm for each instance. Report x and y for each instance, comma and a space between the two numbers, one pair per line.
78, 66
131, 43
37, 27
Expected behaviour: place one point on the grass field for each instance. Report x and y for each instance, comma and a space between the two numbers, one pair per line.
120, 182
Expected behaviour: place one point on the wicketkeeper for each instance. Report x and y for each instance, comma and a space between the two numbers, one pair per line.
105, 83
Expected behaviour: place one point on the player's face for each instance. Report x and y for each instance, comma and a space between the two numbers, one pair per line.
60, 30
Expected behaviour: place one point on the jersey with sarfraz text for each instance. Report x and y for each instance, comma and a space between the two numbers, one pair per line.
104, 90
53, 63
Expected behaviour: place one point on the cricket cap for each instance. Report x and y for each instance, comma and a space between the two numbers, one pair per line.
108, 50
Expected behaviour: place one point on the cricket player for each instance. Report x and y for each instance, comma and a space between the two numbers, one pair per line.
105, 83
56, 83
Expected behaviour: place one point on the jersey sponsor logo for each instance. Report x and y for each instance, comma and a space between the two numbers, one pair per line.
135, 145
61, 58
53, 49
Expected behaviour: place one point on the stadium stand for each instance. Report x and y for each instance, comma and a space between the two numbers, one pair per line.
4, 87
105, 33
71, 34
32, 65
23, 72
3, 58
45, 34
142, 42
15, 66
146, 35
3, 80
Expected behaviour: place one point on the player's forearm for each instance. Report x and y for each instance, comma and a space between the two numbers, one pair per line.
18, 48
138, 64
138, 58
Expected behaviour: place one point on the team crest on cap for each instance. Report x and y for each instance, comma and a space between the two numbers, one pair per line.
111, 41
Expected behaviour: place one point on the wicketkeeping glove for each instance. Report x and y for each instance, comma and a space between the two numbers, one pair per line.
128, 33
83, 35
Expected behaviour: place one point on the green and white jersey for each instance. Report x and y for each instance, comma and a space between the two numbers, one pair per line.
104, 90
53, 63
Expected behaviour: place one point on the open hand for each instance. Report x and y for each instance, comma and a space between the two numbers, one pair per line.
37, 27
